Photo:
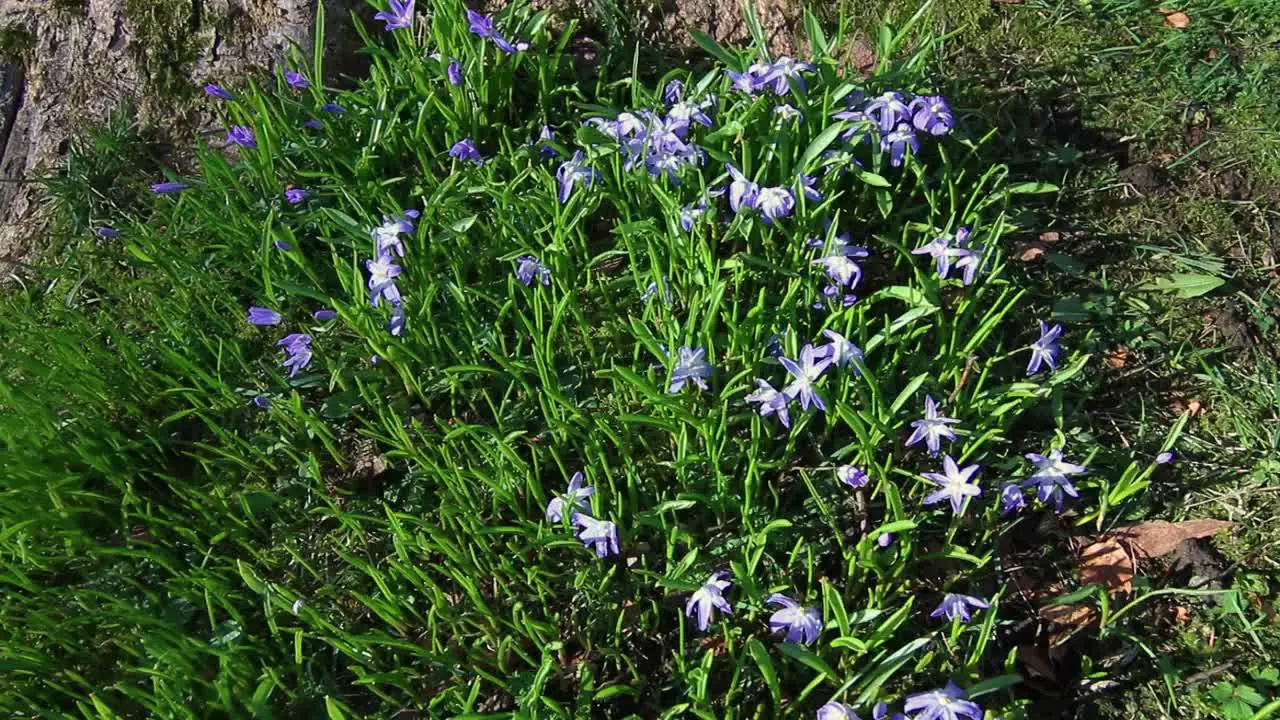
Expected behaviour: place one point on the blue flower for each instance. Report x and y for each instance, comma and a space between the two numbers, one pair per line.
949, 703
683, 114
399, 16
571, 501
954, 606
932, 114
941, 251
806, 372
261, 401
324, 315
742, 192
783, 72
708, 597
956, 484
932, 428
673, 92
1052, 477
842, 270
897, 143
454, 73
166, 188
574, 171
1045, 350
1166, 457
298, 348
296, 80
771, 402
800, 624
543, 142
880, 711
333, 108
262, 316
296, 195
809, 185
107, 233
887, 110
481, 25
599, 535
466, 151
529, 268
382, 285
836, 711
840, 351
218, 91
1011, 498
689, 214
852, 476
785, 112
313, 124
691, 366
774, 203
395, 324
386, 236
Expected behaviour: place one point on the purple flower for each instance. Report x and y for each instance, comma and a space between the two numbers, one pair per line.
682, 114
1166, 457
742, 82
742, 192
932, 428
673, 92
1052, 477
691, 365
689, 214
885, 540
881, 711
932, 114
387, 235
806, 372
296, 195
852, 476
841, 269
298, 347
313, 124
956, 484
399, 16
809, 185
165, 188
1011, 498
544, 145
785, 112
262, 316
946, 704
652, 290
800, 624
941, 251
970, 262
324, 315
218, 91
783, 71
1045, 350
107, 232
897, 143
466, 151
282, 245
887, 110
382, 284
709, 596
571, 501
599, 535
840, 351
836, 711
395, 324
771, 402
481, 25
774, 203
296, 80
954, 606
333, 108
261, 401
529, 268
454, 73
572, 172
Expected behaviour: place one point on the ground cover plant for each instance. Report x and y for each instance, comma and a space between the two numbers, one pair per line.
489, 388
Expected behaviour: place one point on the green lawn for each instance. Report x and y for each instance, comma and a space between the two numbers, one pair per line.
189, 530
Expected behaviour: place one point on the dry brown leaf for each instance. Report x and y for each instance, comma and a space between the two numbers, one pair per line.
1074, 616
1157, 537
1050, 236
1118, 358
1180, 614
1180, 404
1177, 20
1107, 563
1030, 250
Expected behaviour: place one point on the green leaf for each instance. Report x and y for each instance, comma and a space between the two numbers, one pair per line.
760, 654
994, 684
873, 179
817, 39
1186, 285
334, 709
706, 42
1032, 188
818, 144
808, 658
609, 692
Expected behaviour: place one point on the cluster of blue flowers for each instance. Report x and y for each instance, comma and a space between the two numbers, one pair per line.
664, 144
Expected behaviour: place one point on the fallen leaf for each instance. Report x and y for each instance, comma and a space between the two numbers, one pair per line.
1030, 250
1180, 404
1074, 616
1105, 562
1157, 537
1118, 358
1180, 614
1177, 20
1050, 236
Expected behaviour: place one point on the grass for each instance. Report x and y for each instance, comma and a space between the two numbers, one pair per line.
375, 539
